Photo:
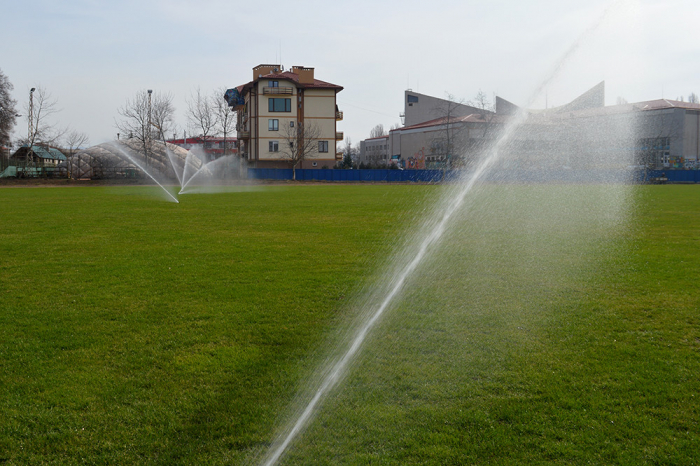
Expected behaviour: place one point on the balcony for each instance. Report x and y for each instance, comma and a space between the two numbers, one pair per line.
339, 156
338, 116
244, 135
339, 136
278, 90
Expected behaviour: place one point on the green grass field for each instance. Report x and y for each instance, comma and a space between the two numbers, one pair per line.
137, 331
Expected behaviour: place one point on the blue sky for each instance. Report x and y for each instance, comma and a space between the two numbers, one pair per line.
92, 55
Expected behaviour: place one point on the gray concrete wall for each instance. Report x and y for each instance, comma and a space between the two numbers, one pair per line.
429, 108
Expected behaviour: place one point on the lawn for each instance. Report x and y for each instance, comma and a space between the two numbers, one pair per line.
551, 326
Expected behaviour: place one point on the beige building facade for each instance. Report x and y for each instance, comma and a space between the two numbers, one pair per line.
276, 108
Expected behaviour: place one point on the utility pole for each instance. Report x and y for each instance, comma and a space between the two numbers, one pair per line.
30, 133
148, 133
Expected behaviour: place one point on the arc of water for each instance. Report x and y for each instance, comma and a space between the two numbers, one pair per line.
431, 239
132, 160
193, 176
172, 163
434, 236
187, 169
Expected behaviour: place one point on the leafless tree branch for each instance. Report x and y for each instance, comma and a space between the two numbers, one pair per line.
299, 143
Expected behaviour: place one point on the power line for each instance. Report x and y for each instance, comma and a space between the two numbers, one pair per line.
365, 109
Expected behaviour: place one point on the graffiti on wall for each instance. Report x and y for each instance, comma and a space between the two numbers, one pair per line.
418, 160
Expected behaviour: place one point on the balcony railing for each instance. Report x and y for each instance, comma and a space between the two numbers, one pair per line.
244, 135
339, 156
338, 116
339, 136
278, 90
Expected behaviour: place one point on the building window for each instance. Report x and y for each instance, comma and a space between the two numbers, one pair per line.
291, 124
411, 98
279, 105
273, 125
323, 146
274, 84
274, 146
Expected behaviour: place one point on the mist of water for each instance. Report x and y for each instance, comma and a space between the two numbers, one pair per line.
133, 160
455, 203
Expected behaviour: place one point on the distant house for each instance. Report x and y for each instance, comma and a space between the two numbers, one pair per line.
38, 156
212, 146
34, 161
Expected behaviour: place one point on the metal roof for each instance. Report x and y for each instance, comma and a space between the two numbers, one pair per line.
51, 153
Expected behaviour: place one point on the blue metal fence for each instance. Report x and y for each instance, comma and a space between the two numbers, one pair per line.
437, 176
396, 176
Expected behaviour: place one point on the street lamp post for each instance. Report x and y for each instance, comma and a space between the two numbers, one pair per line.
148, 130
30, 134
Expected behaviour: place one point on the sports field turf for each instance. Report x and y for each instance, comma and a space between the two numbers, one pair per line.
138, 331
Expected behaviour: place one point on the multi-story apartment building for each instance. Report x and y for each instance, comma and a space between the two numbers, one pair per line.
375, 151
279, 109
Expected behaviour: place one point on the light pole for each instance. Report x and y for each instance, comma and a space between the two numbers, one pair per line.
30, 117
148, 134
30, 134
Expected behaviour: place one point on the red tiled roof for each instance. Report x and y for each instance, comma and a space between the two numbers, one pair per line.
295, 77
289, 76
665, 103
471, 118
200, 140
648, 105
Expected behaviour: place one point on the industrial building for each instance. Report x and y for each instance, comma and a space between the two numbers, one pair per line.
656, 134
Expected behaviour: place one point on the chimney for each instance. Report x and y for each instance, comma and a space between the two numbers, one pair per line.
306, 75
263, 70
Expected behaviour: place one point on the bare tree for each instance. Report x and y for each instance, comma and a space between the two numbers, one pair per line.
299, 143
693, 98
484, 106
621, 100
8, 111
202, 116
162, 113
487, 122
73, 141
145, 114
226, 116
377, 132
40, 107
449, 143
